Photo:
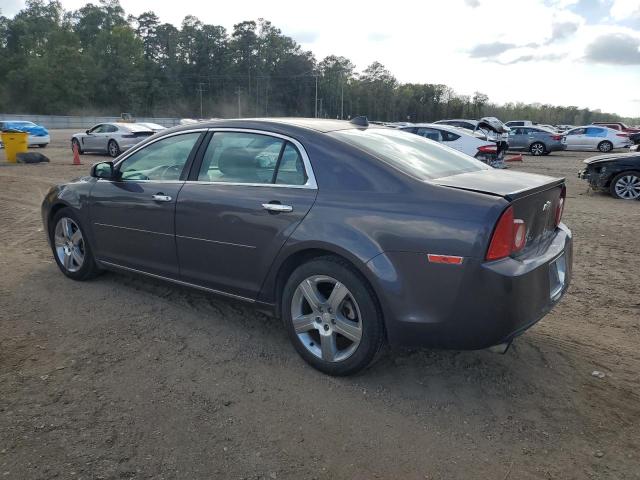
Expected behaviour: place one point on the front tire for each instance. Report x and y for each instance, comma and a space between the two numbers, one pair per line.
71, 249
332, 316
537, 149
605, 146
113, 149
626, 186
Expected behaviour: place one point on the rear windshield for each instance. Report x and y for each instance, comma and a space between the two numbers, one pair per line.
412, 154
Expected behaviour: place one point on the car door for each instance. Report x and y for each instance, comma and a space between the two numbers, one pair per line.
91, 140
593, 136
133, 215
575, 139
245, 196
518, 138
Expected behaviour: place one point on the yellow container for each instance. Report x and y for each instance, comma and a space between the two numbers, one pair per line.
14, 143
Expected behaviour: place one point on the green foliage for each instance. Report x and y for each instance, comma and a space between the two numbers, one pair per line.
96, 59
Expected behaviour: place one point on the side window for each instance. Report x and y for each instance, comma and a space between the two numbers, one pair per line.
238, 157
96, 129
291, 167
577, 131
409, 129
162, 160
448, 136
596, 132
110, 128
430, 133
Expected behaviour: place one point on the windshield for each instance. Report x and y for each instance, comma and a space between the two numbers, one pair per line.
410, 153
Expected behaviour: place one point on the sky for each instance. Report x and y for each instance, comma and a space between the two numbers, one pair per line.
563, 52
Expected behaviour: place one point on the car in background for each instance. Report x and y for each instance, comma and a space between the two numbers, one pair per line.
38, 135
595, 138
110, 138
535, 140
519, 123
621, 127
490, 128
153, 126
564, 128
460, 139
546, 126
460, 123
635, 138
619, 174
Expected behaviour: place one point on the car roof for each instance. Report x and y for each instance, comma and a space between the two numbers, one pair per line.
458, 120
278, 125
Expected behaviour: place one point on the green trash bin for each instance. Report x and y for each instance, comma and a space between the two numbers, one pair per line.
14, 142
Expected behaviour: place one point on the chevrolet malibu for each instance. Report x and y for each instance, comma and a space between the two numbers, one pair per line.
355, 235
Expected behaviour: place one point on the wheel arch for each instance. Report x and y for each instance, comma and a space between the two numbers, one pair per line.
274, 284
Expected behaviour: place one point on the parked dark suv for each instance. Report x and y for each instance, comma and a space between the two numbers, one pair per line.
354, 235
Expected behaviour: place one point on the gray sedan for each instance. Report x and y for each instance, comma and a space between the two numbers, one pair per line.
537, 141
355, 235
112, 138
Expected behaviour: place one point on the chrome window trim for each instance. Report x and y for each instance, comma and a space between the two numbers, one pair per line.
311, 178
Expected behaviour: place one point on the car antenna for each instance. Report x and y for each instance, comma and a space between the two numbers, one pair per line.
361, 121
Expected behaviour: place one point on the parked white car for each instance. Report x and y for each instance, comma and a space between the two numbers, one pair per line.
460, 139
594, 138
111, 138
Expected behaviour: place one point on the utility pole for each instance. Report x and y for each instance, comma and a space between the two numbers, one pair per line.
342, 99
200, 90
316, 96
238, 92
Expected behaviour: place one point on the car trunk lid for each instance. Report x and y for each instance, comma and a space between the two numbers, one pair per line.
534, 198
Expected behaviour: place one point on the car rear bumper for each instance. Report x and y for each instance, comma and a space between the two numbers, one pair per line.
470, 306
556, 147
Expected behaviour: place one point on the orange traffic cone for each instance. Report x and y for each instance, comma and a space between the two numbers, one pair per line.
76, 154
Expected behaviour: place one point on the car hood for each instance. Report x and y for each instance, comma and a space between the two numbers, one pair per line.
609, 158
508, 184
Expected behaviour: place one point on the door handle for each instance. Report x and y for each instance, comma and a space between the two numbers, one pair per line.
160, 197
277, 207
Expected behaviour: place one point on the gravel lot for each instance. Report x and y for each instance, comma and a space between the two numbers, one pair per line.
126, 377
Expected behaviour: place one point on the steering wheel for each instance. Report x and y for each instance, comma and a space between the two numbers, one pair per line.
175, 169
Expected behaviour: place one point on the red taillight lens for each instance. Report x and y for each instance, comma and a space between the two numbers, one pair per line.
622, 134
556, 137
560, 207
488, 149
509, 236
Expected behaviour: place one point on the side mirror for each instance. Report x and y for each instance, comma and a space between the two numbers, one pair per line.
103, 170
88, 132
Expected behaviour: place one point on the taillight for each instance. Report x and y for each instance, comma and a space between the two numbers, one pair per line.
488, 149
560, 207
509, 236
128, 135
622, 135
556, 137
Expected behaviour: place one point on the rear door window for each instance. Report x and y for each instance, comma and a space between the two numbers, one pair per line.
410, 154
430, 133
596, 132
251, 158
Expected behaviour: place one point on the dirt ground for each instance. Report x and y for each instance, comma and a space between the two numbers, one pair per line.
126, 377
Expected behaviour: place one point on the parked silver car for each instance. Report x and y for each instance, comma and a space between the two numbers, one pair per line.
111, 138
537, 141
595, 138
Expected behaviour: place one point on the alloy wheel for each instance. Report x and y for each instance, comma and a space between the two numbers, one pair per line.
326, 318
69, 244
113, 149
537, 149
605, 147
628, 187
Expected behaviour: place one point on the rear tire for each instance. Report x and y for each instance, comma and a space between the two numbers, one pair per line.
537, 148
113, 149
340, 331
71, 249
605, 146
626, 186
